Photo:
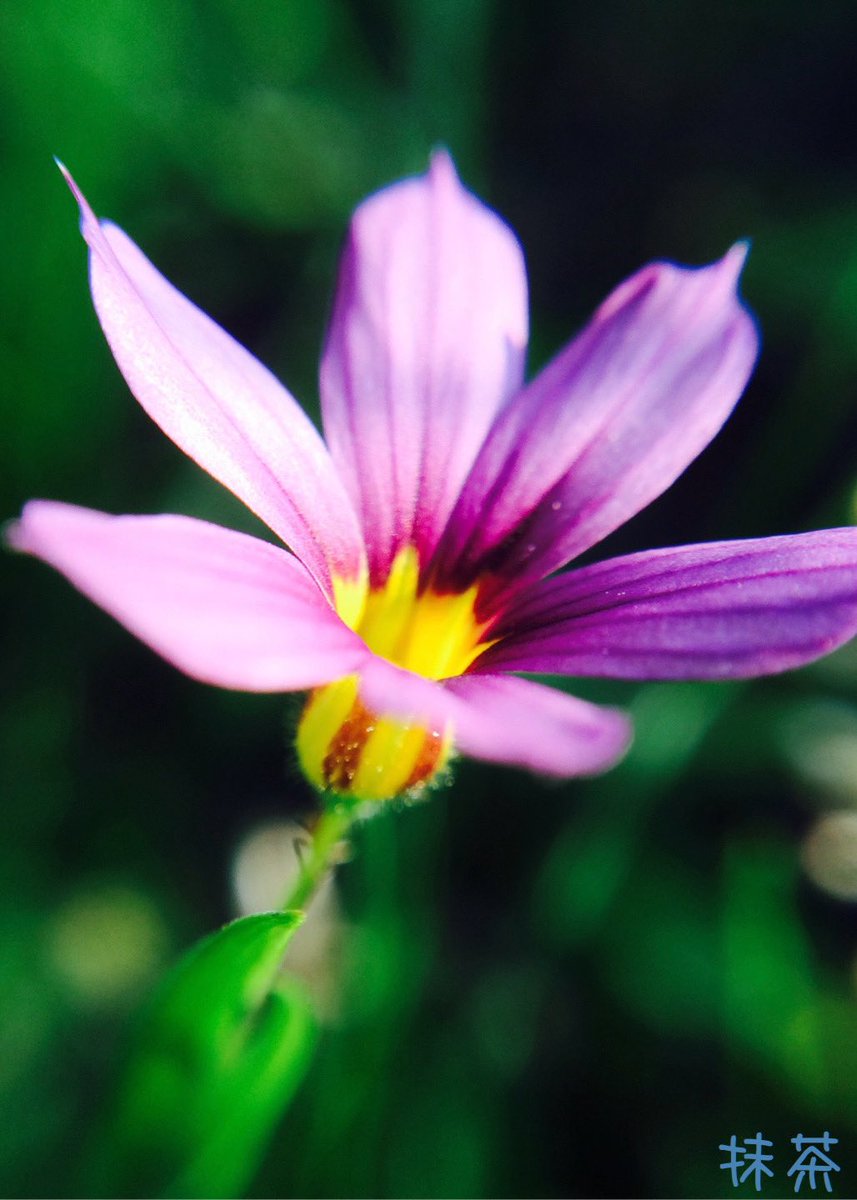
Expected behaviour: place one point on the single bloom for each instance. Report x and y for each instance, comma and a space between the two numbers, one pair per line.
426, 529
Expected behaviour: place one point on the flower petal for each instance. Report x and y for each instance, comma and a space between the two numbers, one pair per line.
221, 606
426, 343
503, 719
724, 610
605, 428
219, 404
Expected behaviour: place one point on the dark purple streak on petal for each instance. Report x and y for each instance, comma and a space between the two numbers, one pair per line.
426, 343
604, 429
722, 610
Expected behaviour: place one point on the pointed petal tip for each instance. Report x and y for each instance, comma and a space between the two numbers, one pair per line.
732, 262
12, 535
442, 166
69, 178
19, 534
88, 218
624, 735
726, 270
731, 267
724, 274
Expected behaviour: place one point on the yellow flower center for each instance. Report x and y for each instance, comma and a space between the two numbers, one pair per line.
342, 746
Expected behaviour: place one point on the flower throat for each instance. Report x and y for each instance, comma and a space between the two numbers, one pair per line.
345, 748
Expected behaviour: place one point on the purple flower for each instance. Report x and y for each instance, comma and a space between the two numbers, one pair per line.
424, 534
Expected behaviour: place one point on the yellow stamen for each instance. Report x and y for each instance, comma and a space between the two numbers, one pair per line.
347, 749
349, 597
434, 634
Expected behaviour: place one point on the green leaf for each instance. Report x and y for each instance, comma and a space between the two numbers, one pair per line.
218, 1056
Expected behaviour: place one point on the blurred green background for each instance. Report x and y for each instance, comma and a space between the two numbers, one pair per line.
525, 989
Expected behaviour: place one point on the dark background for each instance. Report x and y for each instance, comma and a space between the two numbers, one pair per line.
547, 990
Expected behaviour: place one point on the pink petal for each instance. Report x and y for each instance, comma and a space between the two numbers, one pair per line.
219, 404
726, 610
225, 608
606, 427
426, 343
503, 719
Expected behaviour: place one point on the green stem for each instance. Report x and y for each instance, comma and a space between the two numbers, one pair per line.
330, 829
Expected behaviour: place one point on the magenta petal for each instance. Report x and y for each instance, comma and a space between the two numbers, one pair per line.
503, 719
426, 342
225, 608
606, 427
219, 404
724, 610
